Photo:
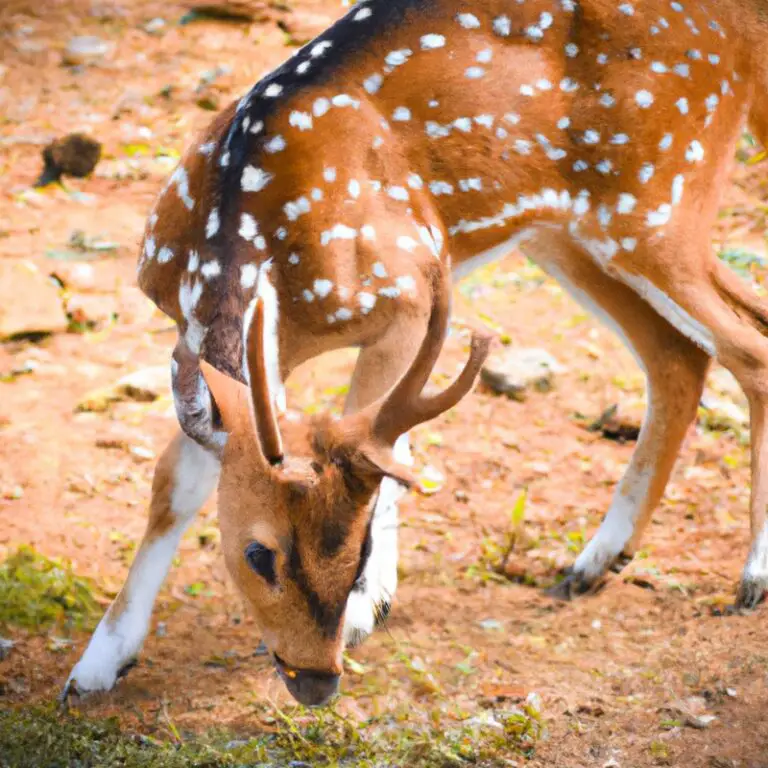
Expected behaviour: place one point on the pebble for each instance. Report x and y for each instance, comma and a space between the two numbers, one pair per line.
85, 49
515, 372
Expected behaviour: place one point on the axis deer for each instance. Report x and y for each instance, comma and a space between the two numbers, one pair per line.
329, 203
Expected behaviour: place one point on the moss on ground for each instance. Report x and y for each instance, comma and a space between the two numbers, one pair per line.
45, 738
37, 593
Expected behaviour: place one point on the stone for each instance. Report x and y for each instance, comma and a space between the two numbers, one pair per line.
145, 386
82, 50
29, 300
91, 310
76, 276
515, 372
722, 415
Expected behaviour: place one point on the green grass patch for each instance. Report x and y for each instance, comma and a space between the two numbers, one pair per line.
46, 738
37, 593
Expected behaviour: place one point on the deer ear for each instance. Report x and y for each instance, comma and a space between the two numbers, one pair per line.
375, 462
231, 397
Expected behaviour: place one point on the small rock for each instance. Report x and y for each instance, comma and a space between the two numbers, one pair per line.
29, 300
621, 422
6, 646
92, 311
699, 722
76, 276
721, 415
141, 453
85, 49
147, 384
461, 496
14, 493
491, 625
162, 629
155, 26
514, 372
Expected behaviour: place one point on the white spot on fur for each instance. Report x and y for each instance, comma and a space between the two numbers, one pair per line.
431, 42
301, 120
644, 99
275, 145
249, 273
468, 21
626, 203
254, 179
210, 269
695, 152
213, 223
248, 227
373, 83
338, 232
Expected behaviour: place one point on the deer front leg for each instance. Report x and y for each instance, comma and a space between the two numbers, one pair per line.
371, 598
675, 370
185, 477
379, 367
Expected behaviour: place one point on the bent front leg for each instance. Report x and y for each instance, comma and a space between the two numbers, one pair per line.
185, 477
379, 367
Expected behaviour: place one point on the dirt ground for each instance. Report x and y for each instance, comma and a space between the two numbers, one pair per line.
622, 675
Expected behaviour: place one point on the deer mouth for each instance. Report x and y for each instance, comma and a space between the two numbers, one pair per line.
312, 688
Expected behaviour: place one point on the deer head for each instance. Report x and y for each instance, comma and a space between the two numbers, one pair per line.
296, 530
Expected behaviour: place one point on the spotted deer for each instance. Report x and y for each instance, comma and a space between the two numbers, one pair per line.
327, 208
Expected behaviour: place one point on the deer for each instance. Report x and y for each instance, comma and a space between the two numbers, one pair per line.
332, 206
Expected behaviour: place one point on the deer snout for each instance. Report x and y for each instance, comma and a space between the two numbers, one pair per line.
312, 688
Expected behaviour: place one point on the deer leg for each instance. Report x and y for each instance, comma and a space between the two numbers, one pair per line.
737, 321
675, 370
185, 477
378, 368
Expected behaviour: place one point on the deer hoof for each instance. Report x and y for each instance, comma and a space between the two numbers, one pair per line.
749, 597
573, 585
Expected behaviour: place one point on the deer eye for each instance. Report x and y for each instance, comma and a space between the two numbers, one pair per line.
262, 560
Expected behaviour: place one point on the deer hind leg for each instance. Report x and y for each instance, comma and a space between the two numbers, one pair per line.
378, 368
185, 477
675, 370
737, 320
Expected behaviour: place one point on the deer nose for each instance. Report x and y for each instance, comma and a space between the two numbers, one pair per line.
309, 687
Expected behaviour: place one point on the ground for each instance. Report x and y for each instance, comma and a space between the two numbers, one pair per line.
621, 678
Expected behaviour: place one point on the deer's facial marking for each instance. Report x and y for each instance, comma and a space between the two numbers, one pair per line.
327, 616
